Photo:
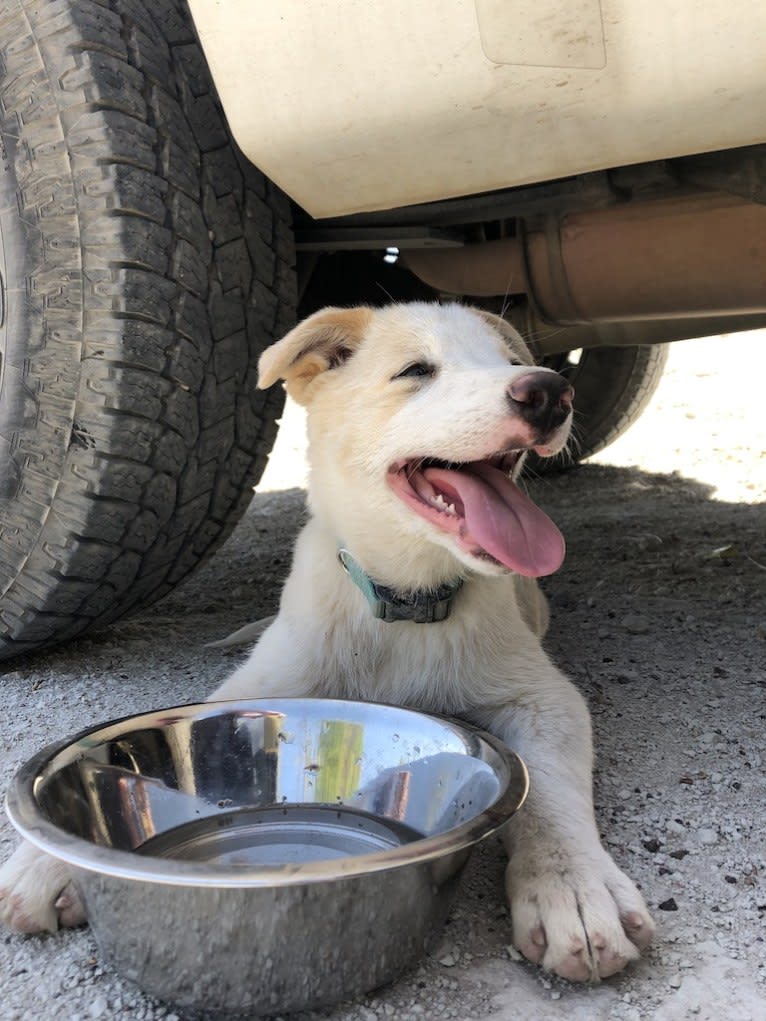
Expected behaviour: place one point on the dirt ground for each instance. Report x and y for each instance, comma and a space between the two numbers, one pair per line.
658, 615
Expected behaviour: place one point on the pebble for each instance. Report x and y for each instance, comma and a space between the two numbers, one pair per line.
626, 676
707, 836
99, 1007
635, 624
646, 542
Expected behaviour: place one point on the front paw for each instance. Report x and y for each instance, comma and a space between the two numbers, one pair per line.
583, 920
37, 894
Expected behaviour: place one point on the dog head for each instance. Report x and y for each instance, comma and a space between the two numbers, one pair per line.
419, 417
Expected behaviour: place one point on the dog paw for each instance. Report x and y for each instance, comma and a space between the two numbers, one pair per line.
36, 893
583, 922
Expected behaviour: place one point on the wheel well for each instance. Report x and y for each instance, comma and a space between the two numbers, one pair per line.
356, 278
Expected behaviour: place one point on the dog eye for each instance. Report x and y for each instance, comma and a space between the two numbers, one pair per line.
416, 370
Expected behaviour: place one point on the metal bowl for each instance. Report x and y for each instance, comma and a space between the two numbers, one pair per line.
271, 855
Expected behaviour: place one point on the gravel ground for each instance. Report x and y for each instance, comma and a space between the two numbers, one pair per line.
658, 616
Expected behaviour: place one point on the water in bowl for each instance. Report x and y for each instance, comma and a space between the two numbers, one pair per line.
289, 834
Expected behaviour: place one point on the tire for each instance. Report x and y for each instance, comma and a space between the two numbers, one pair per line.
612, 386
145, 264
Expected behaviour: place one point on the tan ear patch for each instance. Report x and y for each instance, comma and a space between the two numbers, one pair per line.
323, 341
511, 336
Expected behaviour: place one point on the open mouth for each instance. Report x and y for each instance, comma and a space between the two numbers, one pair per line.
482, 507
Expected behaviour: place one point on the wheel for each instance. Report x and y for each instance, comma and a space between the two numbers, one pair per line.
144, 266
612, 387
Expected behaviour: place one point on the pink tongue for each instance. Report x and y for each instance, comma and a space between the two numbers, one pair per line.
502, 520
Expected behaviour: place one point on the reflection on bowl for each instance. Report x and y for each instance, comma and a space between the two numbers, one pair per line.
269, 855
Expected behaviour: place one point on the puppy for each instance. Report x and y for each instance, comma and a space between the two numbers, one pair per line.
413, 583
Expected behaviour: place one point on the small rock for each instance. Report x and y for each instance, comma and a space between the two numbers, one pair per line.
449, 960
645, 542
513, 953
635, 624
668, 905
707, 836
99, 1007
563, 599
675, 982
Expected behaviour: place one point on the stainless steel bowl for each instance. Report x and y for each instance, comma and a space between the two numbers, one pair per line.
266, 856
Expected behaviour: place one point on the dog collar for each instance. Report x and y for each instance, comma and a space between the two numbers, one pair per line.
427, 606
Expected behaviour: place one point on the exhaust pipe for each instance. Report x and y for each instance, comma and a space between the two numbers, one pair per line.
698, 255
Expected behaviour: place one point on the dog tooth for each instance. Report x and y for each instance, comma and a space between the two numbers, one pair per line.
441, 504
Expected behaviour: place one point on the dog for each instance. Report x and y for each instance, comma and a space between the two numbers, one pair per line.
413, 583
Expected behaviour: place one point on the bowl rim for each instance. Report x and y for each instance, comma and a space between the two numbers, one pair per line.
27, 817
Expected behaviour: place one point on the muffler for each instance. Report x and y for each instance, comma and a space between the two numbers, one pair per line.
702, 254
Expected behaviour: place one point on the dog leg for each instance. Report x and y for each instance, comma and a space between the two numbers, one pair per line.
280, 665
36, 892
573, 911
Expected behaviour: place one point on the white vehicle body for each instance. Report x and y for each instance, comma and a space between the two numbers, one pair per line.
354, 107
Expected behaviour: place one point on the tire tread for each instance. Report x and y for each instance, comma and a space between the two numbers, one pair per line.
154, 286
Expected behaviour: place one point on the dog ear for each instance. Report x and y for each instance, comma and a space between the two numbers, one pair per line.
323, 341
511, 336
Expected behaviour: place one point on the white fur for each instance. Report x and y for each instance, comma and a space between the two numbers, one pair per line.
36, 894
573, 911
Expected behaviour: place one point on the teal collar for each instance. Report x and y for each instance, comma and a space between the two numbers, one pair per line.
427, 606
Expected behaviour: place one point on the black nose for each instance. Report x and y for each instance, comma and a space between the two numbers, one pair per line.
544, 399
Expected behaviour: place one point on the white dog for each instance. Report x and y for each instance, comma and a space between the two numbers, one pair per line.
419, 416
